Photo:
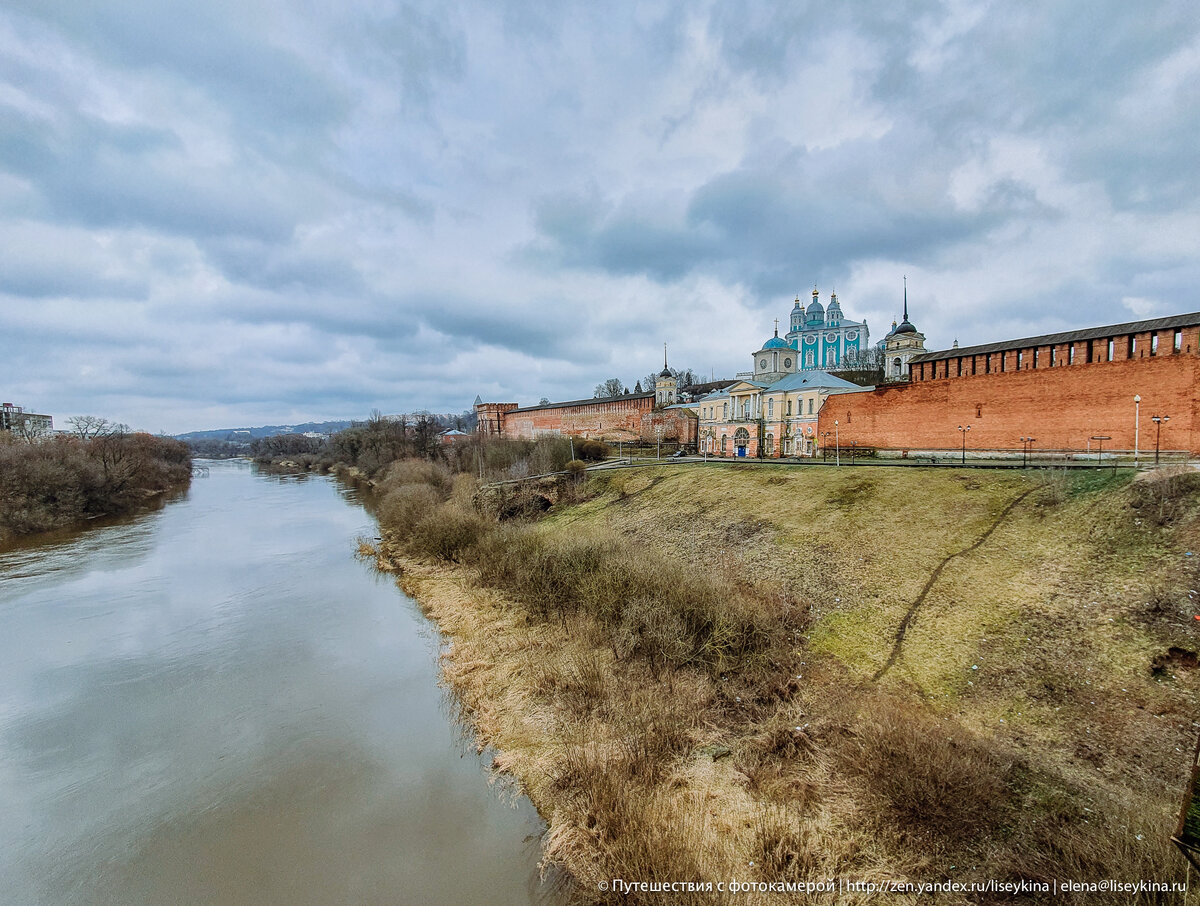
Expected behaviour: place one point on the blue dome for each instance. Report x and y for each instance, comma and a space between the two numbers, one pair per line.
816, 307
776, 343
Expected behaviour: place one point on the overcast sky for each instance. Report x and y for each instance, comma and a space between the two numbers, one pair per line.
233, 213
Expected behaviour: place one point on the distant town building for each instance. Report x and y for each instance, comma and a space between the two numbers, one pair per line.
26, 424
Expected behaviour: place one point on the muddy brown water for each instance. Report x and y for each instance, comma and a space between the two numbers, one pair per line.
216, 703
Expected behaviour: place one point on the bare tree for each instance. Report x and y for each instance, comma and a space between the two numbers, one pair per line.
88, 426
864, 367
612, 387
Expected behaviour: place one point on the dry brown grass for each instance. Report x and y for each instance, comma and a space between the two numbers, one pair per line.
669, 732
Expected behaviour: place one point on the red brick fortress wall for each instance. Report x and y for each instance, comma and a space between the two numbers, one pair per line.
676, 425
624, 418
491, 418
1061, 406
589, 419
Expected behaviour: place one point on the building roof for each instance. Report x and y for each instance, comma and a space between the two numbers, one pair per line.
776, 343
811, 380
589, 400
1070, 336
709, 386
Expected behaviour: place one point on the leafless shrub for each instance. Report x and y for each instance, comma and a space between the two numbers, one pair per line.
928, 775
67, 479
1165, 497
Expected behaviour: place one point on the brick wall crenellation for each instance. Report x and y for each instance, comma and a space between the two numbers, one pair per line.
1061, 406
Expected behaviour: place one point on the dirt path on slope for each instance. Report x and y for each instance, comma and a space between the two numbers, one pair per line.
898, 645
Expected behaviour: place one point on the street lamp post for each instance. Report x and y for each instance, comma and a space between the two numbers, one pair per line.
1025, 444
964, 431
837, 444
1137, 417
1158, 423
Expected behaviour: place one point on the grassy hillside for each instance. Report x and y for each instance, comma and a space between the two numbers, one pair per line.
1054, 633
940, 675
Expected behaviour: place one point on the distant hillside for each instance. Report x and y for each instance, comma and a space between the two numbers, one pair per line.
265, 431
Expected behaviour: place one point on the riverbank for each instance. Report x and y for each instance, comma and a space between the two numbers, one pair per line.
68, 481
959, 675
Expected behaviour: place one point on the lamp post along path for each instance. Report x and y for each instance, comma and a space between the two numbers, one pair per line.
1026, 443
1158, 423
1137, 416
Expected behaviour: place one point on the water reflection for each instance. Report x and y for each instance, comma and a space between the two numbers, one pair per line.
215, 703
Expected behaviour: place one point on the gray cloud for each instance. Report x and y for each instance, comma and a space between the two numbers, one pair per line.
246, 212
804, 216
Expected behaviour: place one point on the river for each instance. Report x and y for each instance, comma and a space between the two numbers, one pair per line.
216, 703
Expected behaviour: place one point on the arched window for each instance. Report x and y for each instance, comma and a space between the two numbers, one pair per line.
770, 445
725, 410
808, 360
770, 408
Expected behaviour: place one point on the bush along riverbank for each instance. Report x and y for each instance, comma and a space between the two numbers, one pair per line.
366, 450
786, 678
64, 480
